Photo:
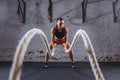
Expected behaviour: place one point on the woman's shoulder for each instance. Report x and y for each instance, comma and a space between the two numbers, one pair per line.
66, 28
53, 29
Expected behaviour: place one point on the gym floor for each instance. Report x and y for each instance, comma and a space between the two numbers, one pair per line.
61, 71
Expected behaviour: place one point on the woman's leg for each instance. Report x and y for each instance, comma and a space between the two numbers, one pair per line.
47, 55
71, 53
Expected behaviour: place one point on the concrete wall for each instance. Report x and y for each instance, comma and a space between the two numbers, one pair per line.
102, 30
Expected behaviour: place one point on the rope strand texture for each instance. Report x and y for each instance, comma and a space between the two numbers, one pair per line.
91, 54
15, 71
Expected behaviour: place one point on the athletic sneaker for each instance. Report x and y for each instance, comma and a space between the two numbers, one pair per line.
46, 66
73, 65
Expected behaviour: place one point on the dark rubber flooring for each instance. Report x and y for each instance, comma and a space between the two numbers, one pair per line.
62, 71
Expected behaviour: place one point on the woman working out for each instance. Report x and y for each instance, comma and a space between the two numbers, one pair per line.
59, 35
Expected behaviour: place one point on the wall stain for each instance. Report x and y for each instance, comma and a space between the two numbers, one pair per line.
38, 16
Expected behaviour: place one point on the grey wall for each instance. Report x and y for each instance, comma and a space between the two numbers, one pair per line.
102, 30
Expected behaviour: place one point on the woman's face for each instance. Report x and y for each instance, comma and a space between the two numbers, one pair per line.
60, 24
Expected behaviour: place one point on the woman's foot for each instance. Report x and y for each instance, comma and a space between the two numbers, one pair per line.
73, 65
46, 65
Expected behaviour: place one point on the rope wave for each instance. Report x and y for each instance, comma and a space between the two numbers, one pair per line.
91, 54
15, 71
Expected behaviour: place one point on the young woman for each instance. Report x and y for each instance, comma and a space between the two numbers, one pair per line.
59, 35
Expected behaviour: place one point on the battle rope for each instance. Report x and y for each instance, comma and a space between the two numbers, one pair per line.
20, 52
92, 57
15, 72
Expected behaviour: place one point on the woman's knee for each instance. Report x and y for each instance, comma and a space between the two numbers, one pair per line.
51, 46
68, 45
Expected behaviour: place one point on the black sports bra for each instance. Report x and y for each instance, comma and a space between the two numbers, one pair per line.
58, 34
